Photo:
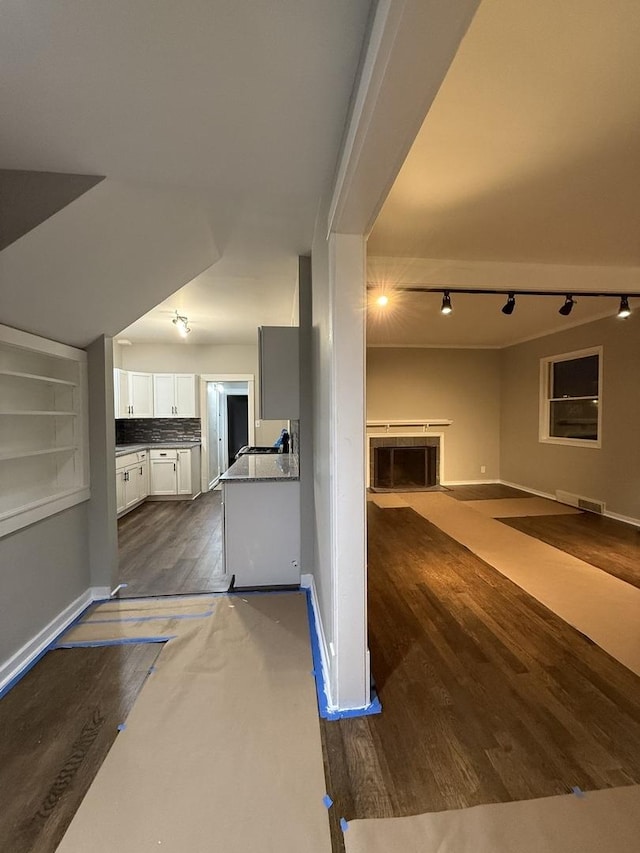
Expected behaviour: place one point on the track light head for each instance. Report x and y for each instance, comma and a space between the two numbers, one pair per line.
567, 308
509, 305
446, 303
624, 310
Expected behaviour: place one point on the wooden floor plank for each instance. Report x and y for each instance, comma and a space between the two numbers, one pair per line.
603, 542
172, 547
56, 727
487, 695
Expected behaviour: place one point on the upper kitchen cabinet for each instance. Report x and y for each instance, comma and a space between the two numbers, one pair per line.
174, 395
133, 394
278, 348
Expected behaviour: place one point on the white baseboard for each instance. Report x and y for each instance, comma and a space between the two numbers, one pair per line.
528, 489
468, 482
308, 582
616, 516
25, 656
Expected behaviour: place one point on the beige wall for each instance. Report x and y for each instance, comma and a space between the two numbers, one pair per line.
198, 358
463, 385
610, 473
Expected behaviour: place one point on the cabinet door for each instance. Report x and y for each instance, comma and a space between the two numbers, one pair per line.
123, 406
184, 472
121, 500
132, 486
164, 397
141, 394
185, 398
279, 372
144, 479
163, 477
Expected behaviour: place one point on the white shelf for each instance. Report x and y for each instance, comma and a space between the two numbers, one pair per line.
22, 454
44, 413
49, 380
431, 422
43, 428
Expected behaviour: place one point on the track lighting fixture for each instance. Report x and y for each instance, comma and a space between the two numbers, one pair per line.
566, 309
624, 309
182, 324
446, 303
509, 305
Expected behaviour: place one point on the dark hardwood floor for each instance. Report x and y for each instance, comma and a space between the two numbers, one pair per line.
610, 545
487, 695
485, 492
172, 547
56, 727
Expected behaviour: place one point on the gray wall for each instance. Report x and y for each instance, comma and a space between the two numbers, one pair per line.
460, 384
611, 473
43, 568
307, 557
103, 528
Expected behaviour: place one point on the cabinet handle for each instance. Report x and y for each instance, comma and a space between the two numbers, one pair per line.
141, 470
174, 466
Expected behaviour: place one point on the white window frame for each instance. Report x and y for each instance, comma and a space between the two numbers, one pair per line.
546, 400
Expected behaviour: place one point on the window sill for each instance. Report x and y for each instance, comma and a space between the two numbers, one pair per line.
572, 442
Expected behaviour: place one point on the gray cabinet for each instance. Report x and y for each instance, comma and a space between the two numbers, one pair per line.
278, 349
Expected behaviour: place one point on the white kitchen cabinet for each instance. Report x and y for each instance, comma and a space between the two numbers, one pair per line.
132, 480
278, 348
174, 395
43, 428
184, 472
164, 473
133, 394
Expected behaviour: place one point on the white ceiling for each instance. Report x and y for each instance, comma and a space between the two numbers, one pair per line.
530, 158
241, 105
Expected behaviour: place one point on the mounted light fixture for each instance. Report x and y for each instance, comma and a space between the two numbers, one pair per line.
624, 310
382, 300
567, 308
509, 305
182, 324
446, 303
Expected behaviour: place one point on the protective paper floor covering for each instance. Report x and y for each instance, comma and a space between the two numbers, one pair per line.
599, 605
222, 750
598, 822
521, 507
140, 618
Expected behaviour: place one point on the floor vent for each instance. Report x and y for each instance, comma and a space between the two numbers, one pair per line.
579, 502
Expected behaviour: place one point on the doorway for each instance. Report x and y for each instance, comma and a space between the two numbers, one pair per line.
227, 413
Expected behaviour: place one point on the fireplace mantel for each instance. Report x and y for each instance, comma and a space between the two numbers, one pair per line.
408, 424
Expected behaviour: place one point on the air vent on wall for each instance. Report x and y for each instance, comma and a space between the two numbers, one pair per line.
580, 502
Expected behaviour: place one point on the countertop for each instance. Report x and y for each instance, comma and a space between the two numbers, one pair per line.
122, 449
259, 468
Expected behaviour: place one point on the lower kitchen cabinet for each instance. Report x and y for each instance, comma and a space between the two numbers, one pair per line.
132, 480
262, 533
175, 473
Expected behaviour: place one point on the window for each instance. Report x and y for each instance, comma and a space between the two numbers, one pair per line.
570, 398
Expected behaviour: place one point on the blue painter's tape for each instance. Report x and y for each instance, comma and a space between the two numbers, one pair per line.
344, 824
578, 791
327, 801
374, 707
149, 618
122, 727
122, 641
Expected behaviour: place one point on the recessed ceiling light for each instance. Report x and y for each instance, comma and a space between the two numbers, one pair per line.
123, 342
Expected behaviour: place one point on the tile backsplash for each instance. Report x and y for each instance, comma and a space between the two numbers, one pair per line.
141, 430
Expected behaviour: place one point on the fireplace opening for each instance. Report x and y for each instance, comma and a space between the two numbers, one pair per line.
397, 468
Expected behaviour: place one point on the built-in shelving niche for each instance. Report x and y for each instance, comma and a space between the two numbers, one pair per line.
43, 428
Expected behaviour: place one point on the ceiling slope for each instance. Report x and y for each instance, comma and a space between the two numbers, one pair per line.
28, 198
103, 261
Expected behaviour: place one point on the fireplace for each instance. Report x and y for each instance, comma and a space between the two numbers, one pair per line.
404, 463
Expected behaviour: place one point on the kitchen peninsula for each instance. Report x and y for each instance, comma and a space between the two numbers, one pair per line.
261, 511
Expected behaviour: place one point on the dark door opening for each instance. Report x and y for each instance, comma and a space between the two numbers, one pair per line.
237, 423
